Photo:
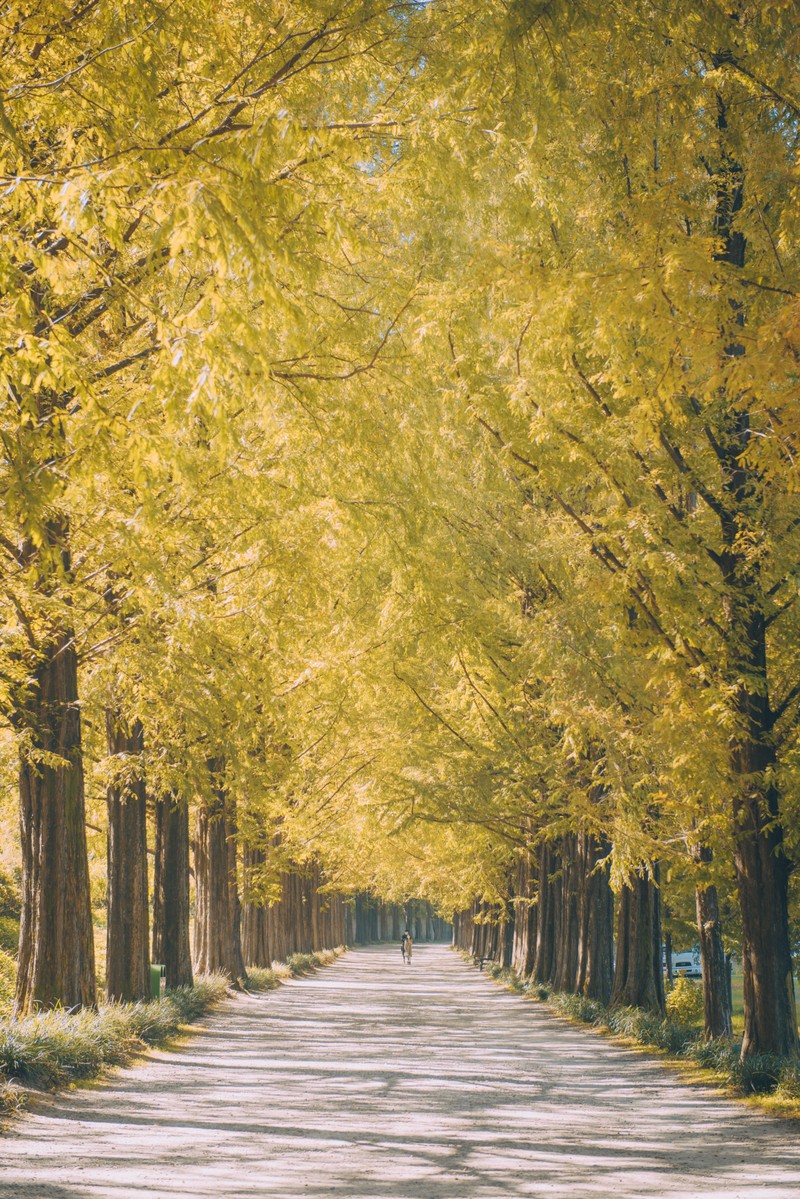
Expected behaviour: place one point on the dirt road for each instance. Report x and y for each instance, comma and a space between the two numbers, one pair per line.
371, 1080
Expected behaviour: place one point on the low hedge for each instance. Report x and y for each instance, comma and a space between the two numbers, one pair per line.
8, 978
757, 1074
56, 1047
261, 978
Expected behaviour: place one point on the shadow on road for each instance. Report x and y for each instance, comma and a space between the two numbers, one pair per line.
374, 1080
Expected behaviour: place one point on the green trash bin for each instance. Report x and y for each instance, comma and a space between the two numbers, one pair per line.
158, 980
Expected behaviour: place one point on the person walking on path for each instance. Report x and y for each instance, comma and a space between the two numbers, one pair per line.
405, 946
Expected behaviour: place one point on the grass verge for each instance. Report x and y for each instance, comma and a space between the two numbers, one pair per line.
773, 1082
55, 1048
296, 966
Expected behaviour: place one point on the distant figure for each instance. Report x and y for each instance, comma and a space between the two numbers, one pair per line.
405, 946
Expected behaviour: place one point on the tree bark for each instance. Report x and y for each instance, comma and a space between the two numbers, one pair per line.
127, 942
171, 891
217, 926
545, 923
235, 904
56, 950
762, 869
717, 1011
566, 965
524, 950
255, 939
595, 922
638, 978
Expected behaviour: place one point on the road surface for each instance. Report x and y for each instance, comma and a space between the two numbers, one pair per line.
371, 1080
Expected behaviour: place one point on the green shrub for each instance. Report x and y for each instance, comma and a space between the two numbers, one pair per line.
305, 963
579, 1007
685, 1001
758, 1074
789, 1081
300, 963
267, 978
10, 1099
515, 983
263, 978
8, 980
534, 990
10, 897
720, 1055
755, 1075
55, 1047
9, 934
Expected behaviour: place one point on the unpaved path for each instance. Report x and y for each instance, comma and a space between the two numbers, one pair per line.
371, 1080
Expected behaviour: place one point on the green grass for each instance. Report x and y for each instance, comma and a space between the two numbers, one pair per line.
55, 1048
297, 965
9, 934
761, 1075
737, 995
8, 977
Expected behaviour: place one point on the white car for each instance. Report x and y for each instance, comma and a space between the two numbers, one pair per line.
687, 965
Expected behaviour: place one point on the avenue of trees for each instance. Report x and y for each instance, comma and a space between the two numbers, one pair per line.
398, 453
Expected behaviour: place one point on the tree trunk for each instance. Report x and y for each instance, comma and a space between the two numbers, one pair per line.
56, 949
668, 951
255, 940
762, 870
638, 978
566, 968
712, 955
525, 920
217, 928
595, 922
545, 923
127, 939
171, 891
235, 905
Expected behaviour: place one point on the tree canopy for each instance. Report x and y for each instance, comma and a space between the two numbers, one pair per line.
400, 409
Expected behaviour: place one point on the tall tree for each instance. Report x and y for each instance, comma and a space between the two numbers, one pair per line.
128, 934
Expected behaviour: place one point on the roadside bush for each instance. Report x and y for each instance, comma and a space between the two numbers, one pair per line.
789, 1081
263, 978
720, 1056
685, 1001
650, 1028
267, 978
10, 1099
56, 1047
536, 990
10, 897
758, 1074
306, 963
9, 934
503, 975
8, 979
578, 1007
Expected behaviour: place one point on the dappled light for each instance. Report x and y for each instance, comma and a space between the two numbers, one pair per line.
399, 543
374, 1080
